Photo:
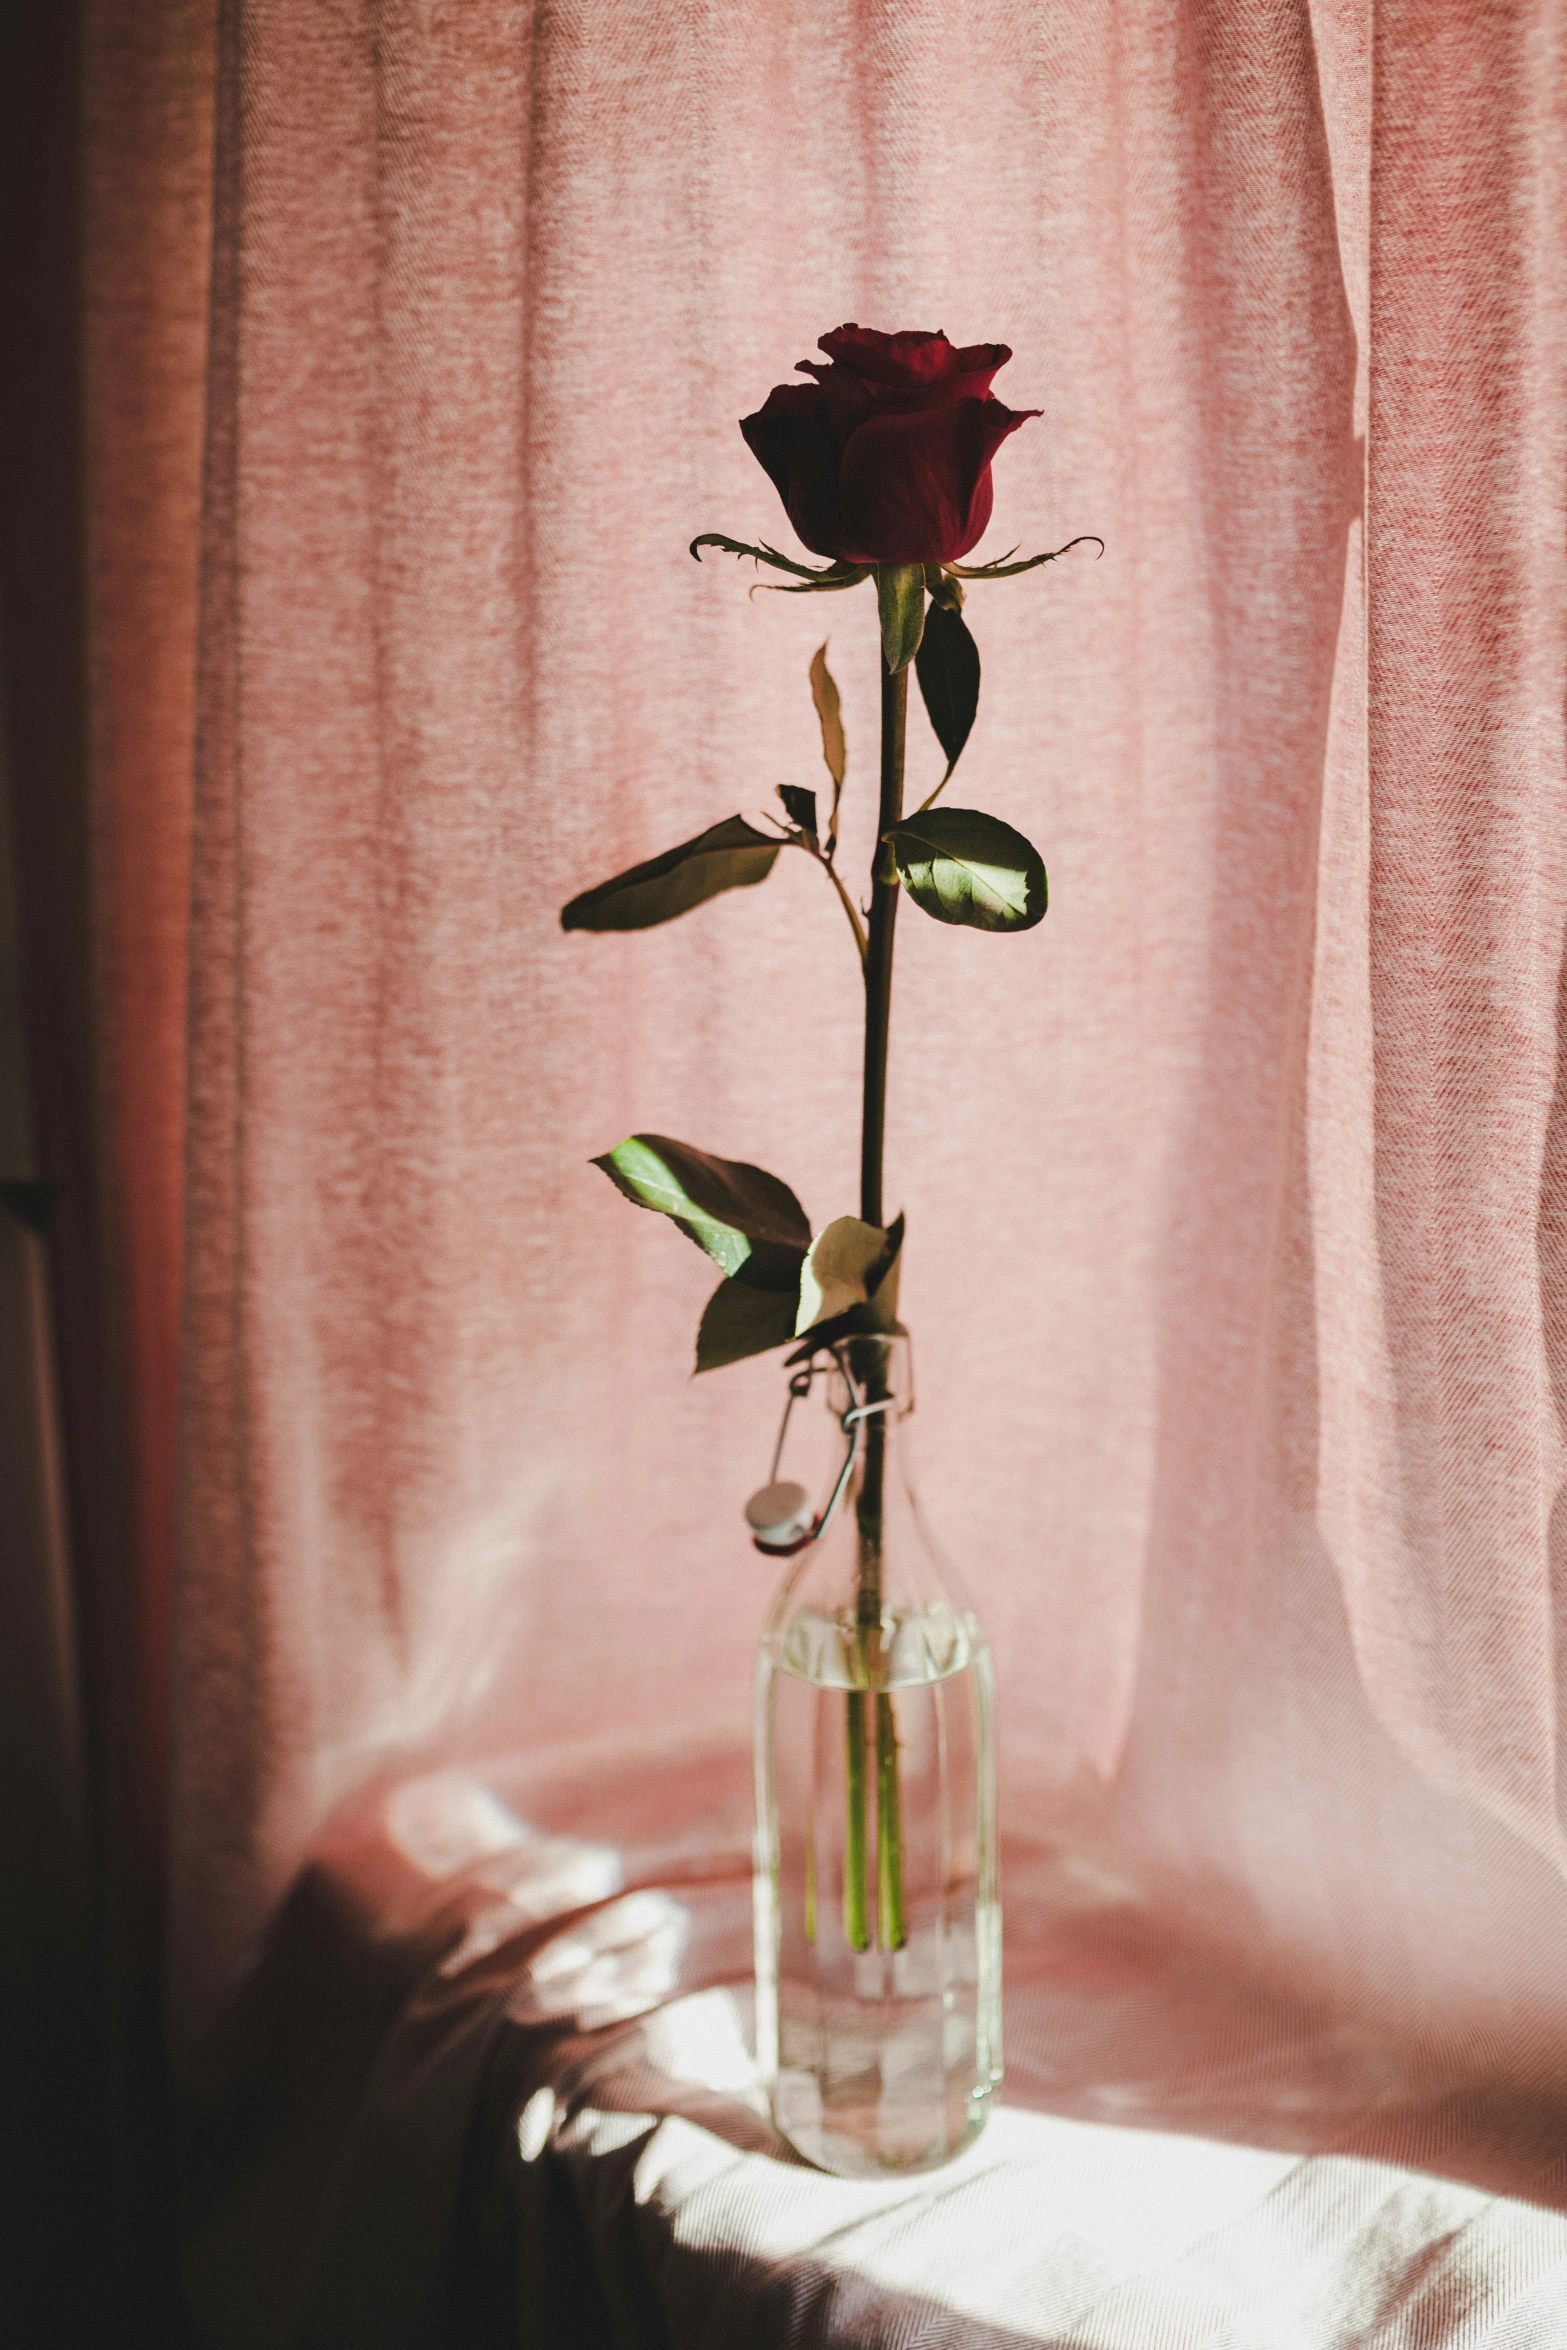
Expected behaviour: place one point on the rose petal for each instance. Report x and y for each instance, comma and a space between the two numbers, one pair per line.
792, 440
915, 363
915, 487
849, 399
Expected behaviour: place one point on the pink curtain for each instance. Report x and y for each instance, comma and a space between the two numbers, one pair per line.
1238, 1247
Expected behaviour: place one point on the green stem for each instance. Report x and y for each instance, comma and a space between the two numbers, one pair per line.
930, 799
856, 1907
889, 1830
868, 1505
855, 923
878, 952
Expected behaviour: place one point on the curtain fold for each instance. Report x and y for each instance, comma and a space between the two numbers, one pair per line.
106, 179
1234, 1202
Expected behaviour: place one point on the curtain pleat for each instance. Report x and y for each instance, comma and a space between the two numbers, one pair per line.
1230, 1192
1235, 1212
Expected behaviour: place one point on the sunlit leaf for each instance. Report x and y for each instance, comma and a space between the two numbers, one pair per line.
824, 693
961, 866
947, 666
739, 1214
900, 591
740, 1321
731, 855
878, 1312
833, 1277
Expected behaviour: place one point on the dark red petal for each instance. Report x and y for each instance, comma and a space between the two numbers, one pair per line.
988, 423
915, 487
975, 358
849, 399
906, 361
791, 400
792, 440
915, 362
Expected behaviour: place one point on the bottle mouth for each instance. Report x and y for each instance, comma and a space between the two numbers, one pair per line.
869, 1366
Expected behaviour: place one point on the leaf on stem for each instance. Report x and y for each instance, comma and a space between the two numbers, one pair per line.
961, 866
739, 1321
833, 1277
874, 1307
824, 693
900, 591
744, 1218
731, 855
800, 806
947, 666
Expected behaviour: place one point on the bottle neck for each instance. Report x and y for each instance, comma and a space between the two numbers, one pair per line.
874, 1371
874, 1375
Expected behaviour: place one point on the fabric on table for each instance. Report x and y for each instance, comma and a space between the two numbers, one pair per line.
492, 2082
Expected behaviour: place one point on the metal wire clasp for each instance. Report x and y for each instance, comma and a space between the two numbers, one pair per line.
779, 1515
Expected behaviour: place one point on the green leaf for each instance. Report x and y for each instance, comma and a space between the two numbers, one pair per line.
741, 1216
961, 866
731, 855
846, 1259
824, 693
740, 1321
800, 806
947, 666
900, 591
879, 1313
1003, 569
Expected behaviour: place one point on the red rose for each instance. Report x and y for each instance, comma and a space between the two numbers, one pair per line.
885, 458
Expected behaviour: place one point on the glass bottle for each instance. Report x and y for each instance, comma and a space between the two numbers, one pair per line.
878, 1920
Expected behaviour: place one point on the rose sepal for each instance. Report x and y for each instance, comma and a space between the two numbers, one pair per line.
835, 575
1004, 568
900, 592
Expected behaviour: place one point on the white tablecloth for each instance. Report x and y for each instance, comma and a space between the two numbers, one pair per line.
490, 2082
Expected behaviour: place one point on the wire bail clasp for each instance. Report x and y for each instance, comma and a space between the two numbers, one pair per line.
779, 1514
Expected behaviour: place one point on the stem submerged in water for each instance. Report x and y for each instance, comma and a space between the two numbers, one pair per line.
856, 1906
889, 1830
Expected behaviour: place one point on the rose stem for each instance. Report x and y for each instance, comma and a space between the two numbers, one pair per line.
878, 955
889, 1829
868, 1506
856, 1908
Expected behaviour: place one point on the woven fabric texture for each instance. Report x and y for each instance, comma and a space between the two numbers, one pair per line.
1237, 1263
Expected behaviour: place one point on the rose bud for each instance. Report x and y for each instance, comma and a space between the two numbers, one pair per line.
885, 458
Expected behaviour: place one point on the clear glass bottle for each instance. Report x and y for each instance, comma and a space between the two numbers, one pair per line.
878, 1919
